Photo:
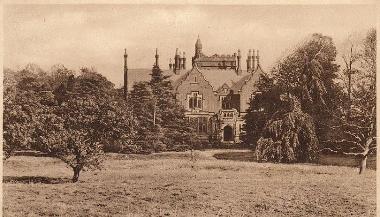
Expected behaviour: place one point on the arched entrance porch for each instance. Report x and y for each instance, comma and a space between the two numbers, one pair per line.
228, 134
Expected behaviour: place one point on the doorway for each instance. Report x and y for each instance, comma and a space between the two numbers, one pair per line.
228, 134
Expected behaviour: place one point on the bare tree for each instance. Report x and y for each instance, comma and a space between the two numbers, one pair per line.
351, 58
358, 129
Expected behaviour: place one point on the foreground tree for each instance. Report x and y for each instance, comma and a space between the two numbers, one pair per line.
22, 105
76, 129
308, 73
358, 137
302, 89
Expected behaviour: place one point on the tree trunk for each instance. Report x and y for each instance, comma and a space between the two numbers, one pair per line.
363, 165
76, 174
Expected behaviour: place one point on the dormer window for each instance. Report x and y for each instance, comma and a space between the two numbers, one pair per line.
195, 101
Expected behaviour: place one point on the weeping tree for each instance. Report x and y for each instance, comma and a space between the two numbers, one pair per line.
308, 72
305, 86
289, 136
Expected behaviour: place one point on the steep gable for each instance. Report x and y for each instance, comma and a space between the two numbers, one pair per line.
194, 81
248, 87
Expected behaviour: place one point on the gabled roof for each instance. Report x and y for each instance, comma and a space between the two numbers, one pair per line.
254, 75
218, 77
224, 86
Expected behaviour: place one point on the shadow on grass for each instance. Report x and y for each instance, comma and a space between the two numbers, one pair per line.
35, 179
31, 153
324, 159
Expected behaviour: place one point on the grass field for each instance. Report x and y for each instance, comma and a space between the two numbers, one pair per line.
169, 184
324, 159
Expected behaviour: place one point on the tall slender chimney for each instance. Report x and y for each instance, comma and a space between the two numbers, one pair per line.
249, 60
176, 61
253, 60
238, 68
258, 58
157, 56
170, 63
184, 60
125, 75
180, 61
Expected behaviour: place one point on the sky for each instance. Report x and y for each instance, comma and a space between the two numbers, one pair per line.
96, 35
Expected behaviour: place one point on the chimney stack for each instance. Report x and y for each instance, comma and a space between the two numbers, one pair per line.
249, 60
176, 61
184, 60
238, 68
253, 60
125, 74
157, 56
180, 61
258, 58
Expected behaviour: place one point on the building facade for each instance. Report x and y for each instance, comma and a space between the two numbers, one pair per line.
215, 91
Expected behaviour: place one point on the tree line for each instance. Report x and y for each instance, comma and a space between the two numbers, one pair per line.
76, 117
306, 106
310, 104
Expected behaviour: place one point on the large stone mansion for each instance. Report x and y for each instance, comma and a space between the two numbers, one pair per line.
215, 91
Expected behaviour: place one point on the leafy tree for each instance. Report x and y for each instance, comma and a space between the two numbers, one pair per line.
261, 107
76, 130
59, 74
22, 106
122, 136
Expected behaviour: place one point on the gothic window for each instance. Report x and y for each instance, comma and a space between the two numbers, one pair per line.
226, 102
195, 101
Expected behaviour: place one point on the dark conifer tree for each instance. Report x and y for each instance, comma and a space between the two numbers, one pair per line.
170, 116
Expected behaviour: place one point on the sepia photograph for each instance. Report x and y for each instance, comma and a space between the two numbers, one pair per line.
189, 109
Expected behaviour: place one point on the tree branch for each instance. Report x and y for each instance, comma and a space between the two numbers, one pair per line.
345, 141
342, 152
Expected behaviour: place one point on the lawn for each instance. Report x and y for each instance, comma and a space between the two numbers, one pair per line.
169, 184
324, 159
